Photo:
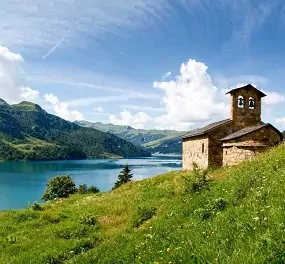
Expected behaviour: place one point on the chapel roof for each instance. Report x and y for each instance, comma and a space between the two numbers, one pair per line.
248, 130
248, 86
206, 129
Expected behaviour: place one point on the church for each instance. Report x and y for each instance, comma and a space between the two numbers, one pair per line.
231, 141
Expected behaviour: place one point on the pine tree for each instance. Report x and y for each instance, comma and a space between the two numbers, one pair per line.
124, 177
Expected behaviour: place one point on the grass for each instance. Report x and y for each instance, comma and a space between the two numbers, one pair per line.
29, 144
237, 217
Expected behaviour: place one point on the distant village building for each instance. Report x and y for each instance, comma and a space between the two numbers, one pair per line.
233, 140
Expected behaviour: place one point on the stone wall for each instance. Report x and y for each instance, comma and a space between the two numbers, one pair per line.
243, 117
248, 146
215, 145
237, 154
195, 150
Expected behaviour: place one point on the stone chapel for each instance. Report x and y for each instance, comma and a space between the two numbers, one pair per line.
231, 141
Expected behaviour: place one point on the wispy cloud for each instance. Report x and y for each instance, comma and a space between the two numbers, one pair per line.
46, 25
120, 90
142, 108
53, 48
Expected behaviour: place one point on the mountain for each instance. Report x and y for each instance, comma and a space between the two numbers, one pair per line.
236, 216
155, 141
29, 132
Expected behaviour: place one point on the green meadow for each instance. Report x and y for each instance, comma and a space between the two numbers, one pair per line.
229, 215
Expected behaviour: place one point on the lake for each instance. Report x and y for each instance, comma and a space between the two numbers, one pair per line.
23, 182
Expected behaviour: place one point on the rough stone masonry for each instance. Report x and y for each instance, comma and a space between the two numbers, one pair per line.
231, 141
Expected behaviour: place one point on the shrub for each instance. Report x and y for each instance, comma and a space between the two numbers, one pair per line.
200, 180
82, 189
143, 214
88, 220
59, 187
212, 208
93, 189
36, 206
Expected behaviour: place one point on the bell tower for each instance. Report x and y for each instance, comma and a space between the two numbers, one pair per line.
245, 106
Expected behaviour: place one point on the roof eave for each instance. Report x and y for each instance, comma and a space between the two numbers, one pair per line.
265, 125
247, 86
207, 132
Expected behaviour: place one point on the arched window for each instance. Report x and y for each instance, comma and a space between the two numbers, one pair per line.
240, 102
251, 103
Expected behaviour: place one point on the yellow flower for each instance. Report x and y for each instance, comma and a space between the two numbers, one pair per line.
168, 249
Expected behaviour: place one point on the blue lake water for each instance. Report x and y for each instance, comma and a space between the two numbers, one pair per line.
21, 183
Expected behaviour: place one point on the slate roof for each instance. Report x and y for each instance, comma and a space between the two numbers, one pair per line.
249, 86
248, 130
206, 129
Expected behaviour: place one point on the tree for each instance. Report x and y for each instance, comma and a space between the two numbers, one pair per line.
93, 189
124, 177
84, 189
59, 187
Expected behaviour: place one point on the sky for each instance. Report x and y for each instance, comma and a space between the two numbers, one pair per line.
152, 64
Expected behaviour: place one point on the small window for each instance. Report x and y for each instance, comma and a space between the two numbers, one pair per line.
203, 148
240, 102
251, 103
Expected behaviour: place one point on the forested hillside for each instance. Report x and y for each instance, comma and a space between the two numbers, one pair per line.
155, 141
29, 132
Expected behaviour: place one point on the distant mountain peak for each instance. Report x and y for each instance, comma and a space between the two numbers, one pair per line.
28, 106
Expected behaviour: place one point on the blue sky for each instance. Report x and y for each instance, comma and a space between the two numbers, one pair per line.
111, 60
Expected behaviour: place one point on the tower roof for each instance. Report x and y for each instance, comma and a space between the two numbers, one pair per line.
247, 87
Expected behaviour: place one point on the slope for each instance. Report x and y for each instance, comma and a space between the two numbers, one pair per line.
155, 141
237, 217
29, 132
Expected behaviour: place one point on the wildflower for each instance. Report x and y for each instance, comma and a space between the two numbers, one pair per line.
168, 249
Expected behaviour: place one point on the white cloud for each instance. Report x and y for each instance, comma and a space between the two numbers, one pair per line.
62, 109
273, 98
189, 98
13, 86
29, 94
138, 120
166, 75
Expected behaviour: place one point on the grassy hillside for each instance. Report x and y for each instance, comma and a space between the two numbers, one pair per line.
29, 132
155, 141
237, 217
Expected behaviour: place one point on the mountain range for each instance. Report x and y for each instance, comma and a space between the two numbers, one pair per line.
29, 132
155, 141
